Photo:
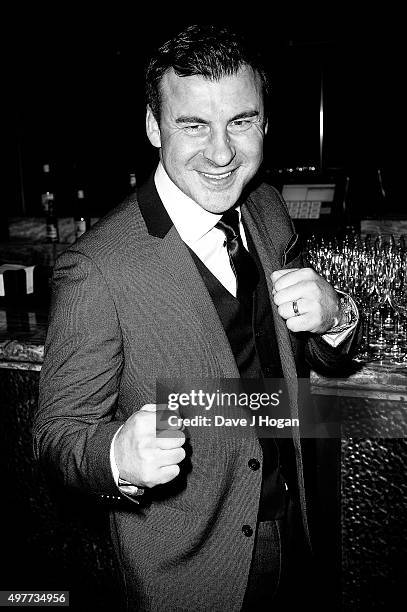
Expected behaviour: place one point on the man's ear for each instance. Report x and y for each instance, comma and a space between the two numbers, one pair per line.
152, 129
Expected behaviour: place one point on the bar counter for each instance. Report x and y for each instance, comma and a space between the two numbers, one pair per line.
365, 469
22, 336
52, 539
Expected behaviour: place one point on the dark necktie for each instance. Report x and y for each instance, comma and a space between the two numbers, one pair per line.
241, 261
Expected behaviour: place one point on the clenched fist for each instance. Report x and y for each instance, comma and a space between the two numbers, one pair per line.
145, 457
305, 300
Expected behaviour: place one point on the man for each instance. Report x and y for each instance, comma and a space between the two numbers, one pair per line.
164, 287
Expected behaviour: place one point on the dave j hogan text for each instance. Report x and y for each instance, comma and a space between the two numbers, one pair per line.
218, 420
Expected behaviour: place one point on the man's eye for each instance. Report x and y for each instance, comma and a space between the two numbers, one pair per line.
240, 125
196, 128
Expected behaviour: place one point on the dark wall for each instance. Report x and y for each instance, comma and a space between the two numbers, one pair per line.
78, 100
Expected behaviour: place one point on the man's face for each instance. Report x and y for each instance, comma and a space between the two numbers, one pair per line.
210, 135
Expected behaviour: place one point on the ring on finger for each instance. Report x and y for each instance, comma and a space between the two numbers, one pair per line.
295, 308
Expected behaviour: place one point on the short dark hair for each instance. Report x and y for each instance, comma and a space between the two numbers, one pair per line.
206, 50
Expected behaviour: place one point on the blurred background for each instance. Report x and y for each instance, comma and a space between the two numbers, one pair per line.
78, 102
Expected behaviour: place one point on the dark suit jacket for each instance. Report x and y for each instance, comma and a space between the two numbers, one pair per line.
129, 307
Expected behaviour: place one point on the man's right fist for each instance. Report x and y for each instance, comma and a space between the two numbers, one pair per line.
147, 457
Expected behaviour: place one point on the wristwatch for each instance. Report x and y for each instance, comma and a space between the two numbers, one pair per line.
127, 488
348, 315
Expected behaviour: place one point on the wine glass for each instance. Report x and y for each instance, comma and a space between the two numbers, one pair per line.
399, 302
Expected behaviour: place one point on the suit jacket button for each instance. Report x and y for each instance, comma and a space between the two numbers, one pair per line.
253, 464
247, 530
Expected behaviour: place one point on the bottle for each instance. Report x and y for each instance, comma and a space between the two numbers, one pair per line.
132, 181
52, 230
47, 195
82, 219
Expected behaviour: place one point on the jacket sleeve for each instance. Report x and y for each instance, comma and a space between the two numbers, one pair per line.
79, 382
333, 361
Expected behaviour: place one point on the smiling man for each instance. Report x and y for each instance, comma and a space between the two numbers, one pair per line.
197, 275
210, 135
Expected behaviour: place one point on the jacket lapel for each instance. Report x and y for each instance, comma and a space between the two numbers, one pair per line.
185, 273
270, 261
177, 259
269, 257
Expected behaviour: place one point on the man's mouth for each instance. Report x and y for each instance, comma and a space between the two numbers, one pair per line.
220, 179
217, 177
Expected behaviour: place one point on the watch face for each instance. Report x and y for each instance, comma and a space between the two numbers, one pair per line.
349, 310
349, 316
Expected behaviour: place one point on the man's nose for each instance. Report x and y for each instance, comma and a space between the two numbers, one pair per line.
219, 149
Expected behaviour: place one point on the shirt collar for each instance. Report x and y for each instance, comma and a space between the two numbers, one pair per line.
191, 221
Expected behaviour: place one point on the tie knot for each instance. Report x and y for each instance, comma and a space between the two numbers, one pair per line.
229, 224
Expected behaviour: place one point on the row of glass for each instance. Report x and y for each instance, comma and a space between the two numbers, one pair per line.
373, 270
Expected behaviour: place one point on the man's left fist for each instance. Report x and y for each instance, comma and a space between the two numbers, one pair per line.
305, 300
